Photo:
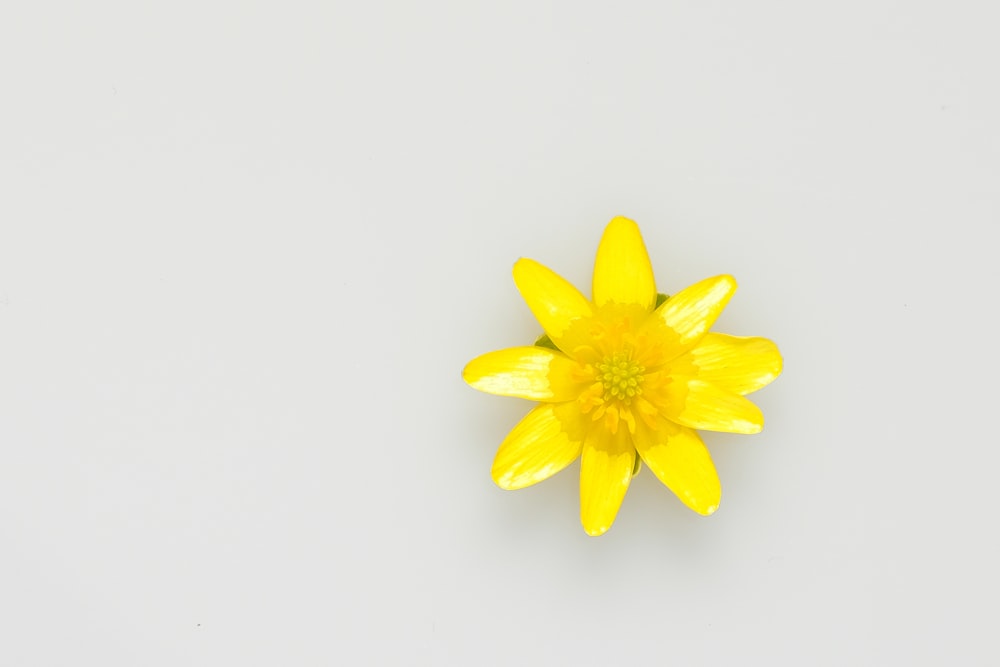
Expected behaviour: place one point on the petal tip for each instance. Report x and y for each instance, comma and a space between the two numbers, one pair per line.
468, 376
708, 510
595, 531
742, 427
503, 481
622, 221
522, 266
472, 373
507, 479
723, 285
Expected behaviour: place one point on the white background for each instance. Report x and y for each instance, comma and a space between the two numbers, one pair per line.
246, 249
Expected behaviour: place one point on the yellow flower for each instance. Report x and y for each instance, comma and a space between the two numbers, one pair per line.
623, 378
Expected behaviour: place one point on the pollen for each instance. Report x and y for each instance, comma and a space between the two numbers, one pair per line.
621, 376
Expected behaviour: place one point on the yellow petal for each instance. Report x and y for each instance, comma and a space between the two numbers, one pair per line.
678, 457
702, 405
551, 298
537, 448
691, 312
739, 365
605, 473
535, 373
622, 272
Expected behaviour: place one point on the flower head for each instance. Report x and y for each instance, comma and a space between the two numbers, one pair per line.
622, 378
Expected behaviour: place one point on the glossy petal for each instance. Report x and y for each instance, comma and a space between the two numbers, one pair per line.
537, 448
702, 405
605, 473
691, 312
554, 302
739, 365
678, 457
622, 272
535, 373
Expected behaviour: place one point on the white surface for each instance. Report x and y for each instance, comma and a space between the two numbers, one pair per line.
247, 248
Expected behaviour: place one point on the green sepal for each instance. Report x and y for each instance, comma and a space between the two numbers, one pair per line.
660, 299
545, 341
636, 465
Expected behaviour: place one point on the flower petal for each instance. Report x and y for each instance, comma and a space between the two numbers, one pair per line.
699, 404
535, 373
736, 364
691, 312
680, 460
605, 473
537, 448
622, 272
554, 301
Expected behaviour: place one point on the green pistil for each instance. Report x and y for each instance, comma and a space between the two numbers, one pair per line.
622, 378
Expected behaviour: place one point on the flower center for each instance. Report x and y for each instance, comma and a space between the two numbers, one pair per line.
622, 377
